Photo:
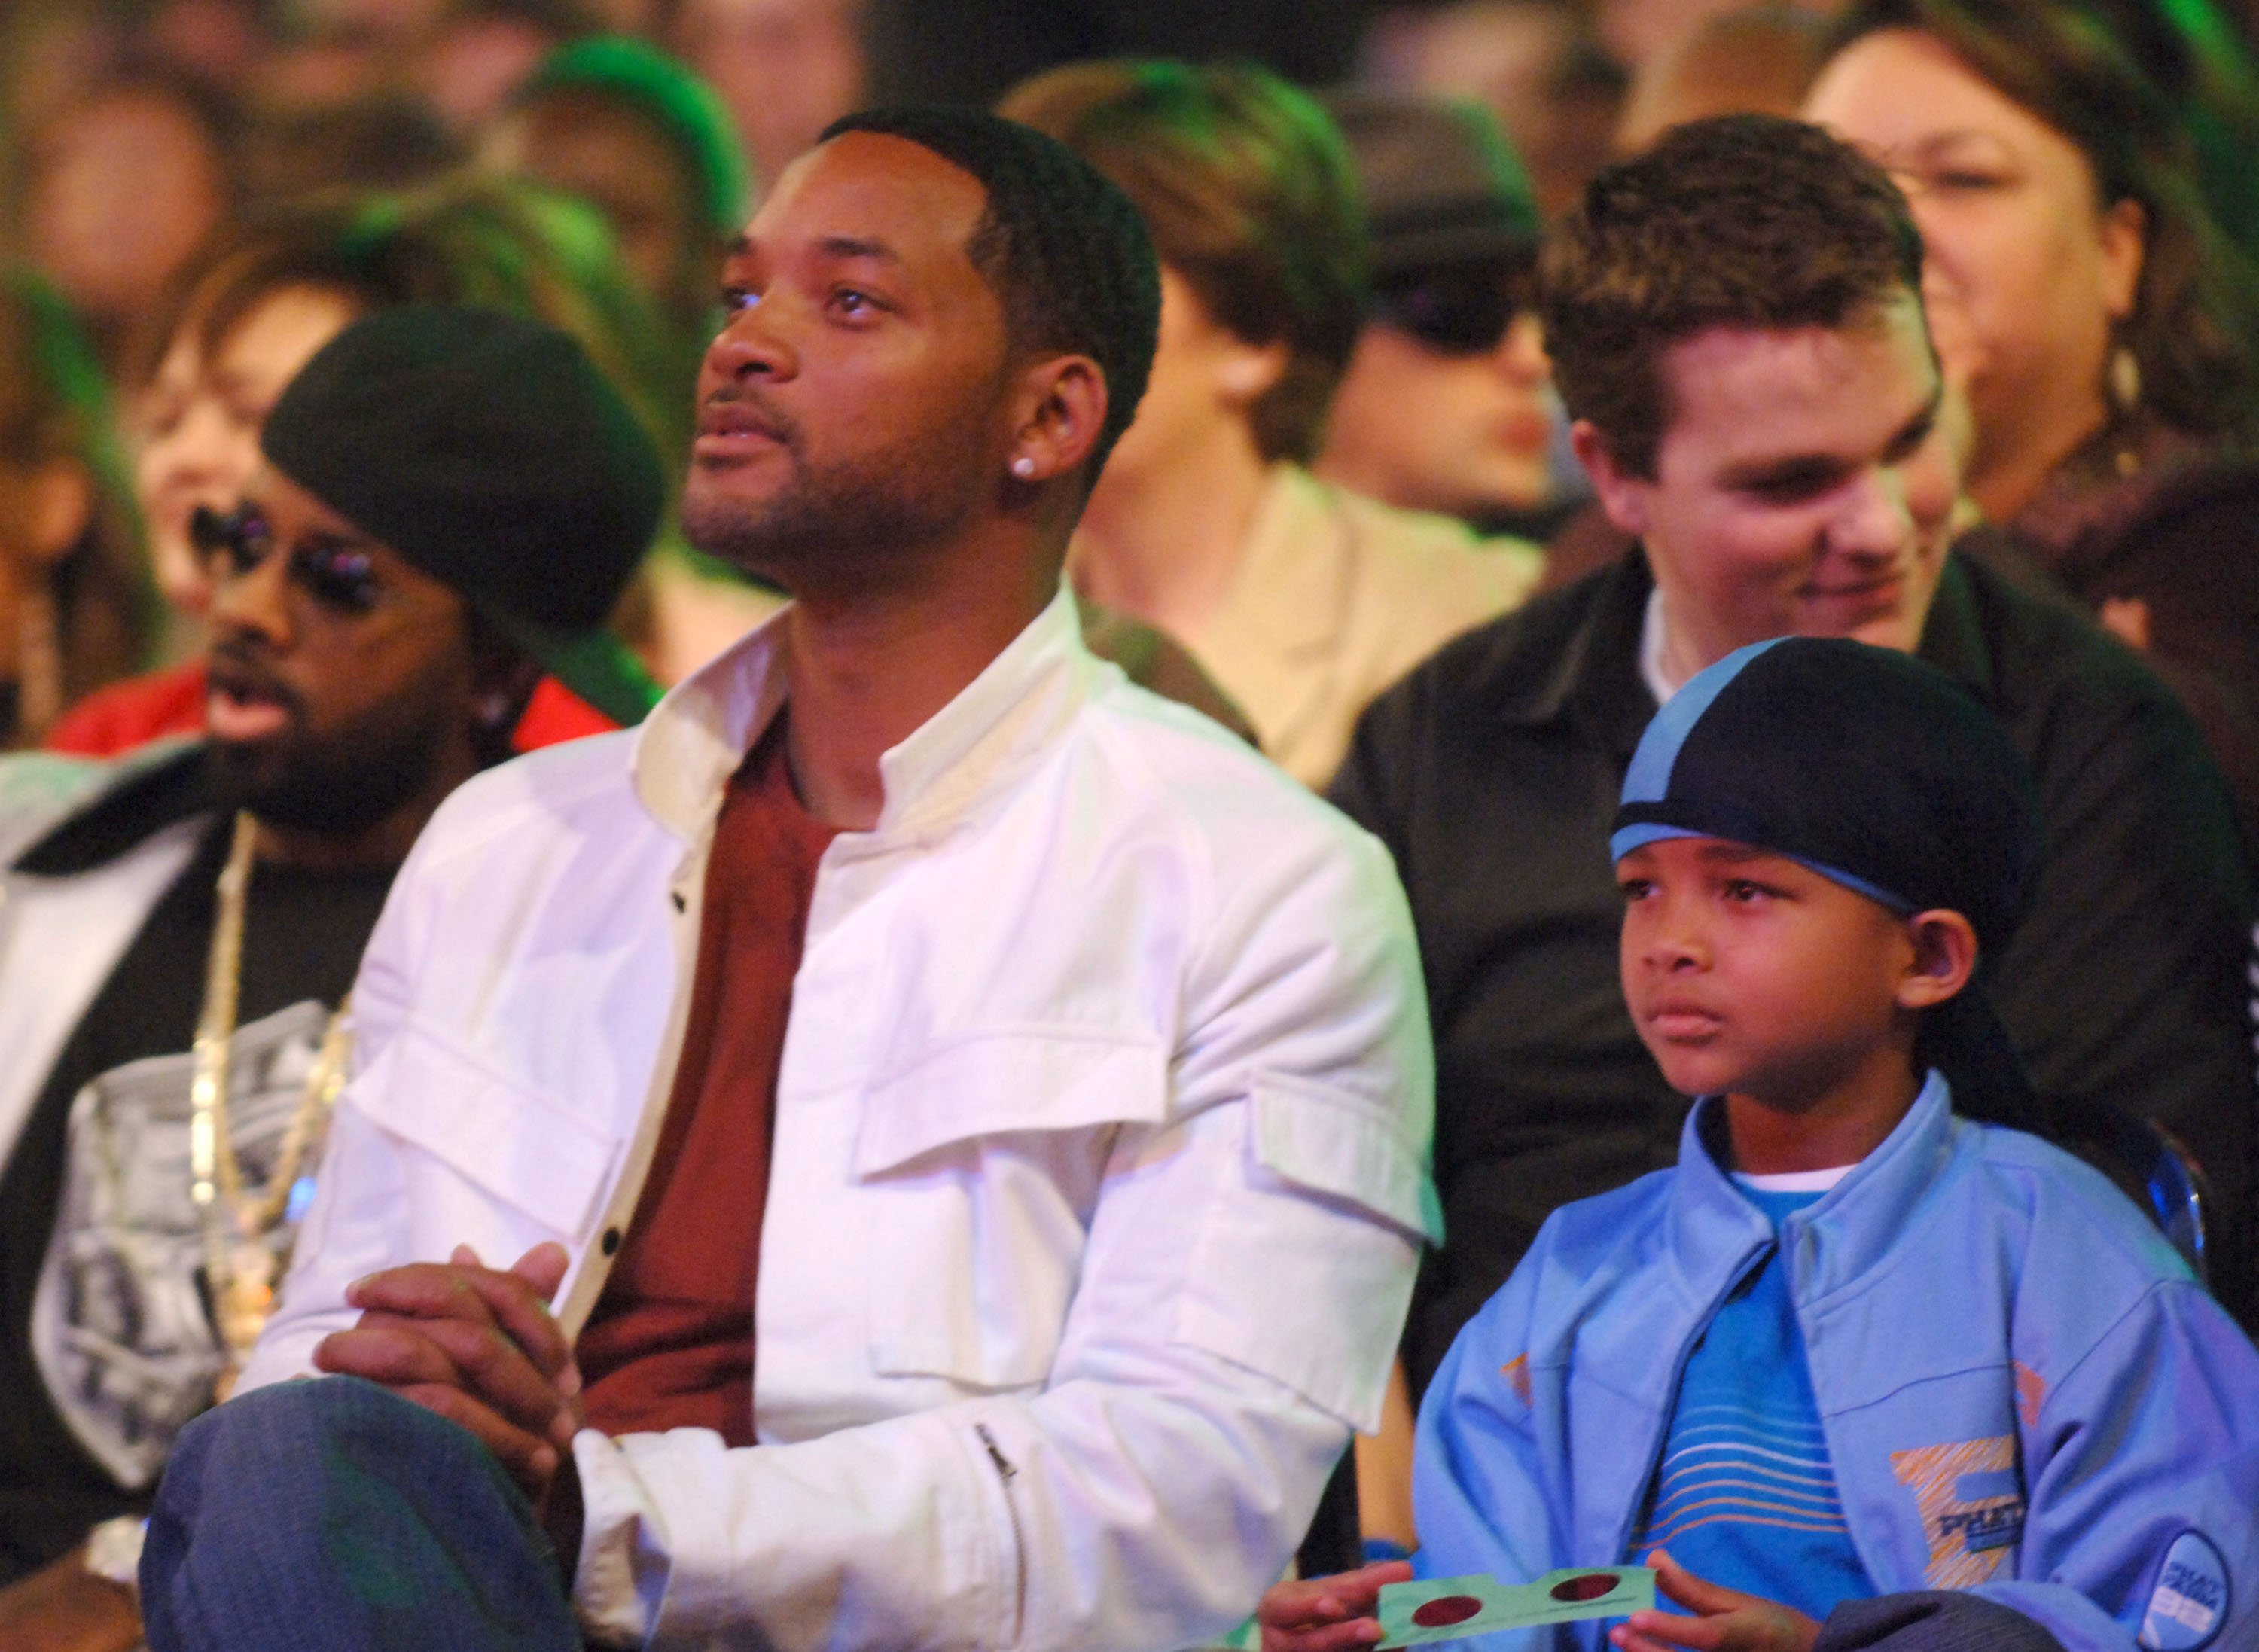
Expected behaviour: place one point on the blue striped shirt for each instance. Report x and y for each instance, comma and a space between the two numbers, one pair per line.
1744, 1495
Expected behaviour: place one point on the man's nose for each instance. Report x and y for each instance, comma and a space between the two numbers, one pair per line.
1675, 938
1873, 519
1521, 352
257, 602
753, 344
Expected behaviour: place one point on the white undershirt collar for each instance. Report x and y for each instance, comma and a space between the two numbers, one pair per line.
1659, 682
1817, 1181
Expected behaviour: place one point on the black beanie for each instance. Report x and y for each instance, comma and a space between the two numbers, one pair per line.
488, 451
1876, 771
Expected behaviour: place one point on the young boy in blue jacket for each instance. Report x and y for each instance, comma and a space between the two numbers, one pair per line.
1854, 1350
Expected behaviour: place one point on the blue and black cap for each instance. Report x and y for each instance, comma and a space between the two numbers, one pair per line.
1863, 762
1871, 768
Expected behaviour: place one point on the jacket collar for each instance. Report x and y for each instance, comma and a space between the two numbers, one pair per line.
1840, 1238
1007, 717
66, 815
1595, 674
1592, 675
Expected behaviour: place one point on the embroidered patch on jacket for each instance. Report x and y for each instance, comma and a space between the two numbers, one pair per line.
2031, 1393
1971, 1501
2189, 1605
1516, 1372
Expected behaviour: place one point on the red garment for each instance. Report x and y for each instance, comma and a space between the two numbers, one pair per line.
671, 1342
554, 715
111, 722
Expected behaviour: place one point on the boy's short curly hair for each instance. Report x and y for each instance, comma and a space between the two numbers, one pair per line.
1741, 221
1060, 246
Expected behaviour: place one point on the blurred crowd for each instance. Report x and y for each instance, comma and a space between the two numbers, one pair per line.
197, 193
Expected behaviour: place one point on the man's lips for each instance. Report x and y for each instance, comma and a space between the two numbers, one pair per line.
1679, 1022
1878, 588
239, 705
737, 429
1525, 432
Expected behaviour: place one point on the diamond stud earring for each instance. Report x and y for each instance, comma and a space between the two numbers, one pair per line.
1023, 467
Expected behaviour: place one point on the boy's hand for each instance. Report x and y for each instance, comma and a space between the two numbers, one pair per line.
1328, 1614
476, 1345
1726, 1621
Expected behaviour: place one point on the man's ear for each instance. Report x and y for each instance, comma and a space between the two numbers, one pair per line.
1944, 958
1061, 408
502, 680
1622, 495
1246, 373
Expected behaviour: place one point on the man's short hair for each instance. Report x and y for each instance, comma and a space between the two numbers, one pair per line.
1251, 196
1062, 247
1741, 221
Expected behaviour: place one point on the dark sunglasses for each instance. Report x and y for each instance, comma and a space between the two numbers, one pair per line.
1457, 312
338, 576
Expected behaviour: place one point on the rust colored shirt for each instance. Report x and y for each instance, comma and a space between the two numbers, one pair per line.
670, 1344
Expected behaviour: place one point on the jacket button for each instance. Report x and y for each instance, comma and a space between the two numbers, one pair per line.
611, 1241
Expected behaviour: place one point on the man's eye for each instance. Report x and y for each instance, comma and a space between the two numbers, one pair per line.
1949, 180
1743, 892
1797, 488
852, 302
736, 299
1635, 889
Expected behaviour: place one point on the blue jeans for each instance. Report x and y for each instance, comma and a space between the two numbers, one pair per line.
334, 1516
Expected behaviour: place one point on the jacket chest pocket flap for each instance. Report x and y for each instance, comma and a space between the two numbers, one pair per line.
979, 1164
521, 1148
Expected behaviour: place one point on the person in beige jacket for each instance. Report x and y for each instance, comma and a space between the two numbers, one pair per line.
1302, 600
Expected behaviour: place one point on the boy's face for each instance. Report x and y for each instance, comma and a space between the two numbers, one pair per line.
1748, 974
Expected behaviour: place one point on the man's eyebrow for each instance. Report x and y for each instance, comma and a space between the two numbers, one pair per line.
829, 246
1784, 468
856, 247
1777, 469
1916, 431
1724, 852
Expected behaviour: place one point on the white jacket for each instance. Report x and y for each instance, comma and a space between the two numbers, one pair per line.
1099, 1172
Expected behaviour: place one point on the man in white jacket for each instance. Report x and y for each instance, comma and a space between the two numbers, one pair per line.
969, 1116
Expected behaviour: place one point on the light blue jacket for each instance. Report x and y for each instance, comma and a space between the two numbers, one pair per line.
2023, 1391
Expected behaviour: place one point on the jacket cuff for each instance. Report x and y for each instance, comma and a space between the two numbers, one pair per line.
621, 1573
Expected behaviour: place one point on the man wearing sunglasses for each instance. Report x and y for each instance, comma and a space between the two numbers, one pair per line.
1447, 404
451, 503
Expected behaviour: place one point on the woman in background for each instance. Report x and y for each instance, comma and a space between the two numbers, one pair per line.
75, 610
2082, 296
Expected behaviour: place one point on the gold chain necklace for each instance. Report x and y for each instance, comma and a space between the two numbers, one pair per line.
239, 1265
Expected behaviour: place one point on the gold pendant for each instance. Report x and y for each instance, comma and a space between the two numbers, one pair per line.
248, 1296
